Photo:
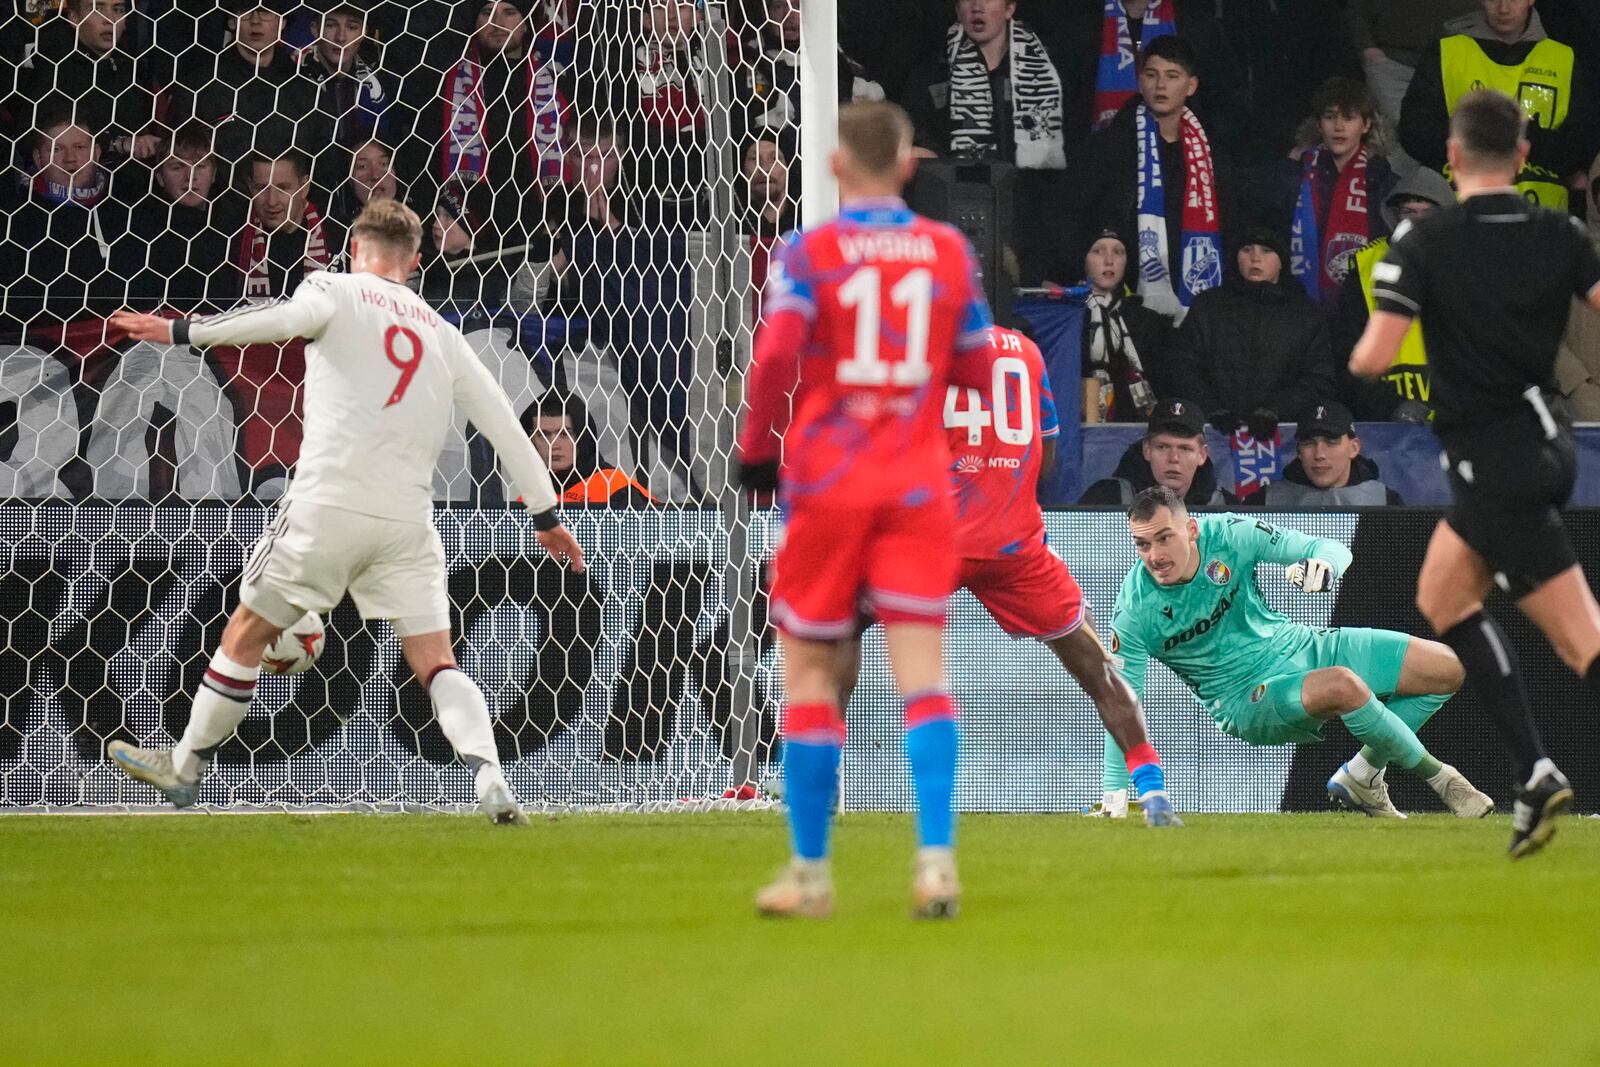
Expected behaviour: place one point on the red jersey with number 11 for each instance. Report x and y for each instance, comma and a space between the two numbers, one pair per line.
997, 433
867, 319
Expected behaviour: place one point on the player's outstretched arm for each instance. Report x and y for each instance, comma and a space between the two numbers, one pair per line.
1292, 549
486, 404
305, 314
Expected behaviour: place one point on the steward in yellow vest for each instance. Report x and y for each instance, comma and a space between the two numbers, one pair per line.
1546, 77
1420, 193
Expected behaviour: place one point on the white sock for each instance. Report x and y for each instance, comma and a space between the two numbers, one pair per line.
219, 707
1361, 770
463, 715
1540, 769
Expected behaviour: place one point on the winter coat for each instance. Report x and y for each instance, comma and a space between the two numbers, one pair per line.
1133, 474
112, 96
183, 257
1381, 184
1249, 345
1364, 489
1151, 334
55, 262
268, 111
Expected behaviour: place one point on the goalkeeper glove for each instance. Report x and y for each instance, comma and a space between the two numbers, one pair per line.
1312, 575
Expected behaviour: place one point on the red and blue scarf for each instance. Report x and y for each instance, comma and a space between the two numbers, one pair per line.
1116, 79
464, 154
1321, 259
1200, 263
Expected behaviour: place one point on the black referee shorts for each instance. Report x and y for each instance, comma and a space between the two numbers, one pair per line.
1509, 487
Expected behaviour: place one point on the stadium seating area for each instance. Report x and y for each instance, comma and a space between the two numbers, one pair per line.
602, 181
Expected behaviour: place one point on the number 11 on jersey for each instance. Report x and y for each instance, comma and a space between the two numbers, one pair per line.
914, 292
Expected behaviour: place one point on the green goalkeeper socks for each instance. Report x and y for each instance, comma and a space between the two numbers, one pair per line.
1389, 737
1114, 776
1414, 711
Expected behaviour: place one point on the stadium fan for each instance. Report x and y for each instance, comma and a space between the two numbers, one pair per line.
1255, 346
865, 476
492, 107
994, 91
347, 523
1328, 470
181, 236
286, 237
770, 76
460, 273
1416, 196
1492, 279
1505, 47
352, 91
253, 93
81, 58
1193, 603
371, 177
1103, 41
1124, 343
559, 428
1329, 198
55, 258
593, 196
769, 209
1172, 453
1578, 364
1154, 172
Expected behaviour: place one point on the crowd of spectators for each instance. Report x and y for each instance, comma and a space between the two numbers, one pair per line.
1223, 177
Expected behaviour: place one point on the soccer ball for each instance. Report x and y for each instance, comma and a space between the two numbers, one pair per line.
297, 648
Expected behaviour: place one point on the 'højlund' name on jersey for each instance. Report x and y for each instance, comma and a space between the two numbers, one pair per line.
893, 245
1203, 625
406, 309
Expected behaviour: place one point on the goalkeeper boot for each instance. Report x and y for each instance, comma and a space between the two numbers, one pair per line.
1113, 805
495, 799
1463, 799
154, 766
1539, 803
802, 890
1346, 790
1158, 810
935, 891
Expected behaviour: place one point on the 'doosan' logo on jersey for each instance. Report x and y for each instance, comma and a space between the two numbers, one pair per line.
1218, 572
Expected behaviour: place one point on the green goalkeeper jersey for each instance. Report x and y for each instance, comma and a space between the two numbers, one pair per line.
1216, 631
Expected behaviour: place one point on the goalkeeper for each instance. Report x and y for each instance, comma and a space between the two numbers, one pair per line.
1193, 603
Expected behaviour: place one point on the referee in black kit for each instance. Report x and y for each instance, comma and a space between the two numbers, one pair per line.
1491, 278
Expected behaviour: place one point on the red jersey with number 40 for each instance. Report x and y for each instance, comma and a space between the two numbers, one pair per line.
873, 314
997, 432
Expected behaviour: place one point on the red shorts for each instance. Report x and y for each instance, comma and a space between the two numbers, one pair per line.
836, 565
1031, 594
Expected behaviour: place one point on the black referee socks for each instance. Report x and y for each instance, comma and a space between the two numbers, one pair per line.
1491, 667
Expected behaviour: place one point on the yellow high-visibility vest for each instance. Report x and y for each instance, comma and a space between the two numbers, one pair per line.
1542, 84
1409, 374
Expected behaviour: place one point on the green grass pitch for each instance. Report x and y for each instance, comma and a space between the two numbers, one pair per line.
597, 939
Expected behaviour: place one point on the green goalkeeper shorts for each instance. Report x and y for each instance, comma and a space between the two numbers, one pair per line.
1269, 712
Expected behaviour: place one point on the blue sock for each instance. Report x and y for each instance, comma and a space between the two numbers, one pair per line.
810, 778
1149, 779
931, 747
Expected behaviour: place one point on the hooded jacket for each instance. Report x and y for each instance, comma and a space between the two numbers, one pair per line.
1245, 346
1364, 489
1133, 474
1578, 361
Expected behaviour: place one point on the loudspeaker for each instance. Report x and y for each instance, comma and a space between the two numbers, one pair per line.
976, 197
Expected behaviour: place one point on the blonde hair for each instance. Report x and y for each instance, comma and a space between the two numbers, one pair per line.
874, 134
390, 223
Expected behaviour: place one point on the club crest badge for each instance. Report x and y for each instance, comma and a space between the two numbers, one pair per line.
1257, 693
1218, 572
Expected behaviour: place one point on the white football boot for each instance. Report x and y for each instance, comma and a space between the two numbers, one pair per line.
802, 890
154, 766
936, 890
1371, 798
1463, 799
495, 799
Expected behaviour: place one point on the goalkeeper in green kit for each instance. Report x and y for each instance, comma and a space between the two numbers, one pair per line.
1193, 603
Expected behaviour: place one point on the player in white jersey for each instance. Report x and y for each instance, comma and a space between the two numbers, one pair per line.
383, 375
